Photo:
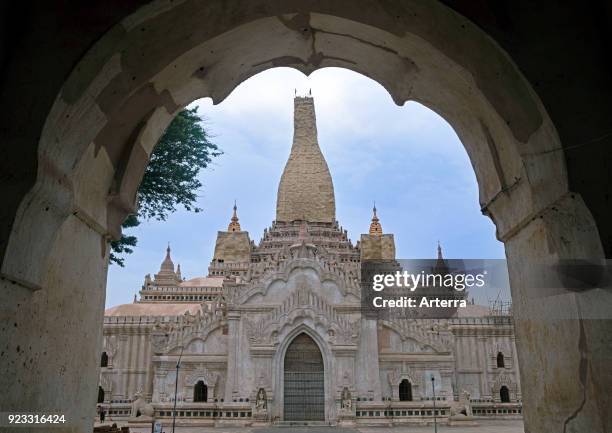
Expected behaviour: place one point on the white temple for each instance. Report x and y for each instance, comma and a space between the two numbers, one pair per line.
275, 332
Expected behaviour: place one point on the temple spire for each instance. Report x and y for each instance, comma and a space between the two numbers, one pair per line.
166, 274
234, 225
375, 227
441, 265
306, 190
167, 264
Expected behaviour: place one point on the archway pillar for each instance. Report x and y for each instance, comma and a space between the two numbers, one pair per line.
52, 346
563, 336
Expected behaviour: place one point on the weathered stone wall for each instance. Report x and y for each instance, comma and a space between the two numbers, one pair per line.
131, 370
475, 350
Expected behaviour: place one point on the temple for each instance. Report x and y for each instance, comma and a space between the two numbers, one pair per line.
275, 332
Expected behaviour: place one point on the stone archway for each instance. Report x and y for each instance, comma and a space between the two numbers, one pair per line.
304, 381
307, 328
112, 108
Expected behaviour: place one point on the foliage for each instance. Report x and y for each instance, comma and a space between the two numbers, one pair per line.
171, 178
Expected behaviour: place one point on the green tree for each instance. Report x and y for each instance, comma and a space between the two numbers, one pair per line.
170, 179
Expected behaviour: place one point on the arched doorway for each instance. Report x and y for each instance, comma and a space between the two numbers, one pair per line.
200, 392
405, 390
304, 393
500, 360
504, 394
100, 394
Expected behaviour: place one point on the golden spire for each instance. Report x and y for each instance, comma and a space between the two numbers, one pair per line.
375, 227
234, 226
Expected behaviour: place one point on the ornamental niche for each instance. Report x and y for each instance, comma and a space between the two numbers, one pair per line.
503, 379
396, 376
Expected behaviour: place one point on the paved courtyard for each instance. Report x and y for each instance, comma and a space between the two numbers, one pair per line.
486, 426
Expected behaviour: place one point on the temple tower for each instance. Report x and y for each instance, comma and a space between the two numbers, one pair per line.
377, 245
306, 190
233, 247
166, 274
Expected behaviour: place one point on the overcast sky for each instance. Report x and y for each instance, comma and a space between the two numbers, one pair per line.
407, 159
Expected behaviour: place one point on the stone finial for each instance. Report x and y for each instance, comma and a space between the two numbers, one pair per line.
306, 189
441, 265
167, 264
166, 274
234, 225
375, 227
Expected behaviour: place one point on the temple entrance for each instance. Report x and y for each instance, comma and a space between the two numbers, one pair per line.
304, 387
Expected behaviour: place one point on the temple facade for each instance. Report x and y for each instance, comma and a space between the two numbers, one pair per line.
275, 332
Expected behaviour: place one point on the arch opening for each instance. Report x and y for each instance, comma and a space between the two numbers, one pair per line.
100, 394
500, 360
200, 392
405, 390
504, 394
104, 360
304, 376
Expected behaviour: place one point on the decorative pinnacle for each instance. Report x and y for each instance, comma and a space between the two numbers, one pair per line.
375, 227
439, 251
167, 264
234, 225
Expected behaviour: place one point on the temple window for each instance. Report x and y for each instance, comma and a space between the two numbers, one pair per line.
104, 360
500, 360
405, 390
504, 394
200, 392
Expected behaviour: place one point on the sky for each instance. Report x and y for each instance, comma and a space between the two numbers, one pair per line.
406, 158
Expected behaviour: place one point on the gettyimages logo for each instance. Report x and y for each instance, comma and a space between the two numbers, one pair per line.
422, 288
410, 281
